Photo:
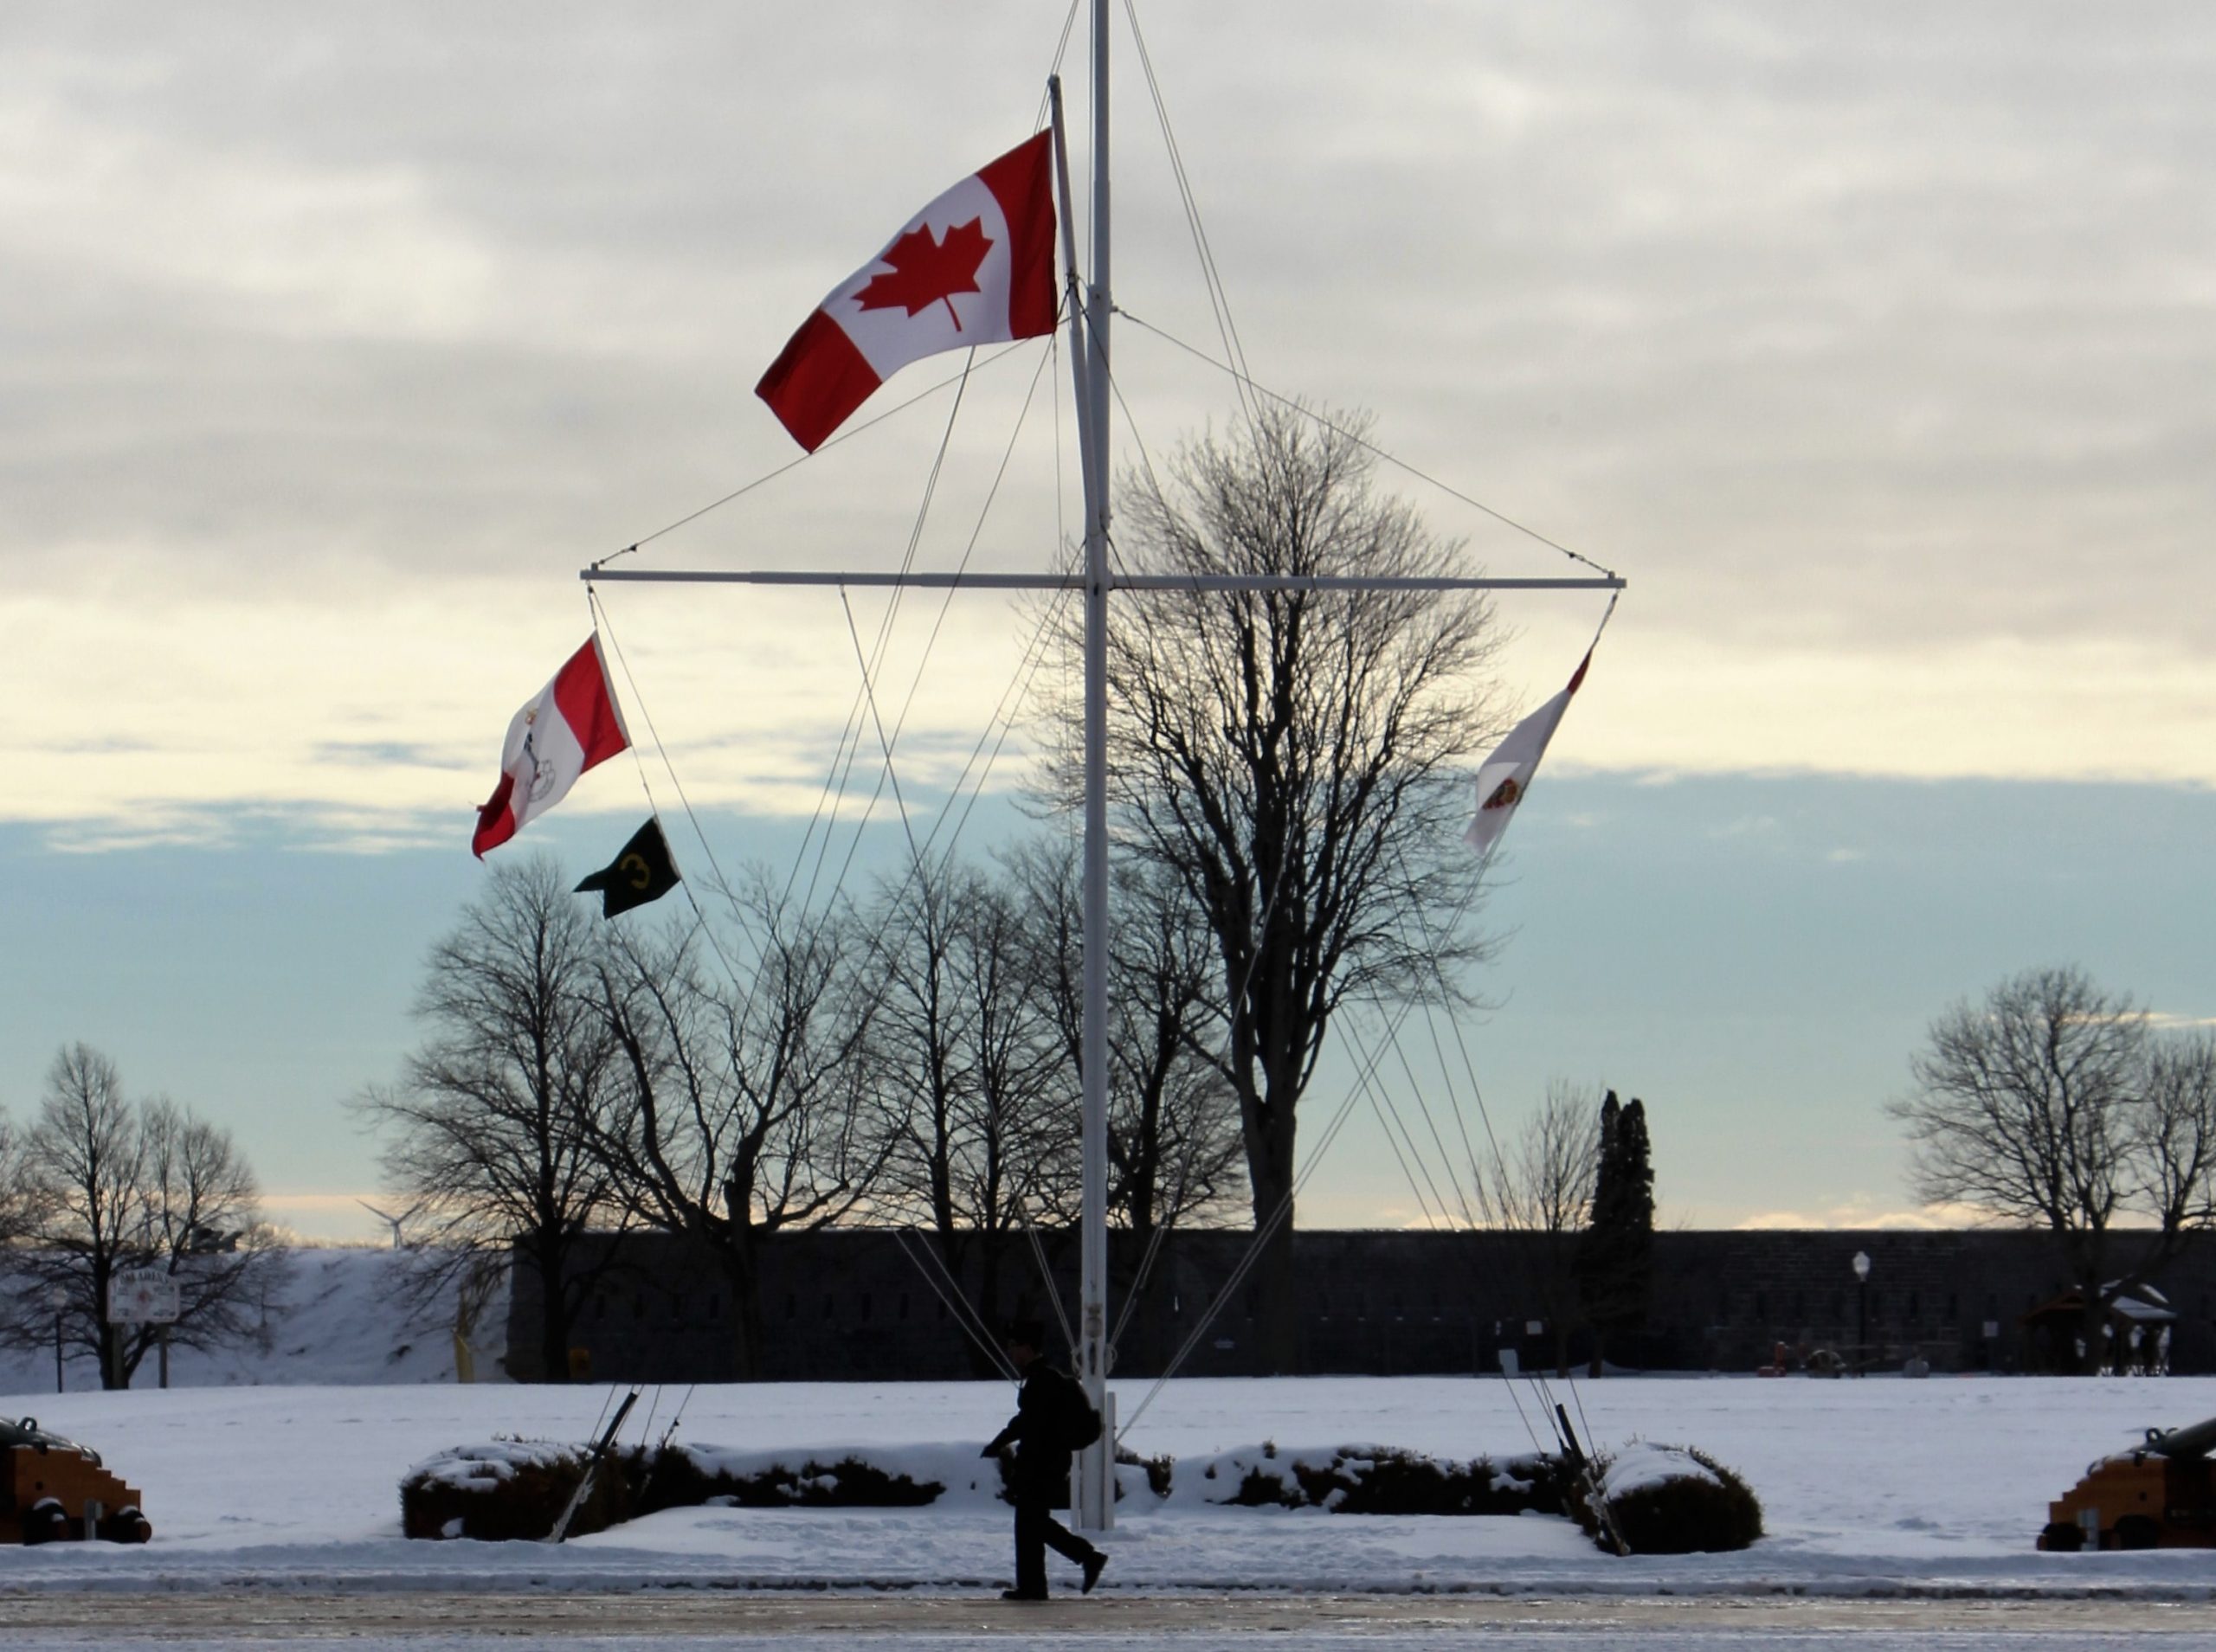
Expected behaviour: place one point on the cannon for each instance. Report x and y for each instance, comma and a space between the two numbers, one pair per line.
56, 1489
2160, 1494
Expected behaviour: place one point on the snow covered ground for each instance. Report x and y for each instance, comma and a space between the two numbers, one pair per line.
1870, 1488
1878, 1490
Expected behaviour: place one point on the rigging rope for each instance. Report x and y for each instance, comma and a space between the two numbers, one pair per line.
958, 1306
847, 433
1265, 1230
703, 927
1211, 277
864, 697
869, 661
866, 701
1047, 1276
1295, 406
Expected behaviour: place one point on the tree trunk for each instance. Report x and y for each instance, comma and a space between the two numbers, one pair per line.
742, 1269
1274, 1285
1277, 1306
553, 1320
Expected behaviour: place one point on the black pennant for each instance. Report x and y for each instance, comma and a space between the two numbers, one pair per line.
640, 873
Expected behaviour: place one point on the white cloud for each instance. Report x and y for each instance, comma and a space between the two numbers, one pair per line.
181, 720
339, 339
1859, 1211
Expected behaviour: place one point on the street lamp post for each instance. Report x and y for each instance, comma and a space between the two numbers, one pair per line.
1861, 1312
57, 1298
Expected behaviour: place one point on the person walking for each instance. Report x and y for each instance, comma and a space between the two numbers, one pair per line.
1052, 1412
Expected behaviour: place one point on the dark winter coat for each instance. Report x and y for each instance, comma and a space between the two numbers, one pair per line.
1045, 1407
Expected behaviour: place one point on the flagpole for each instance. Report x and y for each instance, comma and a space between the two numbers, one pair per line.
1094, 1491
1095, 1509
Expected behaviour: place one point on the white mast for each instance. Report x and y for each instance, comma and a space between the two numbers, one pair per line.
1095, 1497
1095, 1485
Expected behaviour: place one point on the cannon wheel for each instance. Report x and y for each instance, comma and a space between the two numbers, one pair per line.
2137, 1532
45, 1522
2062, 1537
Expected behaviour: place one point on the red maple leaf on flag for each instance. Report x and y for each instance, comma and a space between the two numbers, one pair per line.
926, 271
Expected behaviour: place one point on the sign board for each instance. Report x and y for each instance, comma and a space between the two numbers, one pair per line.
142, 1296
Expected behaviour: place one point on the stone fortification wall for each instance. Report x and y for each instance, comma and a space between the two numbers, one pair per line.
865, 1304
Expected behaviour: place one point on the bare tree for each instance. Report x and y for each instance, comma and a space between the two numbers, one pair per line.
85, 1159
1175, 1153
980, 1137
2053, 1104
1296, 759
18, 1198
748, 1111
207, 1230
1538, 1193
114, 1189
487, 1131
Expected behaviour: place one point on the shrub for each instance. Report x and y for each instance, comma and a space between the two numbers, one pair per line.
1374, 1480
506, 1491
1159, 1470
678, 1482
1672, 1499
517, 1490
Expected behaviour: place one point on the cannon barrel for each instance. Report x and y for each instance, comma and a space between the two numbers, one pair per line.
28, 1432
2195, 1441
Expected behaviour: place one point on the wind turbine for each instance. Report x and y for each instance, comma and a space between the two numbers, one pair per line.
394, 1220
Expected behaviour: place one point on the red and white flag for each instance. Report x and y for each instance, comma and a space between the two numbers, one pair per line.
1504, 777
563, 730
977, 267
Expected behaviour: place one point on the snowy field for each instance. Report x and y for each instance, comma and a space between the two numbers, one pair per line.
1880, 1491
1876, 1488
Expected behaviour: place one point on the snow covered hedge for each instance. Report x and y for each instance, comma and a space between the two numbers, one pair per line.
1664, 1500
512, 1490
509, 1490
1672, 1499
1377, 1480
516, 1489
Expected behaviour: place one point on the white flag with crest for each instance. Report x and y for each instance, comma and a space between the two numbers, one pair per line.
1504, 777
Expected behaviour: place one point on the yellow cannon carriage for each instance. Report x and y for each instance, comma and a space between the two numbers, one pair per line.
2160, 1494
56, 1488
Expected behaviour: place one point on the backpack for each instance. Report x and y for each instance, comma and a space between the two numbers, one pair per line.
1076, 1424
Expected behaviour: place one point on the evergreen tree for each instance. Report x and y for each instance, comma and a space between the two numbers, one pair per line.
1615, 1258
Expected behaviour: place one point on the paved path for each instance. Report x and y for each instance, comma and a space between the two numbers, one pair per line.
124, 1620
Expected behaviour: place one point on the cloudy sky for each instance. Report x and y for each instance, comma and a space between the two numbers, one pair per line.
1875, 345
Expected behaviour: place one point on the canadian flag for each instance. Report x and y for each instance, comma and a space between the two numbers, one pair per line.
1504, 777
563, 730
977, 267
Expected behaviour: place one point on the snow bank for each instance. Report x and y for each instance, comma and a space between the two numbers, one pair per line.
1879, 1487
